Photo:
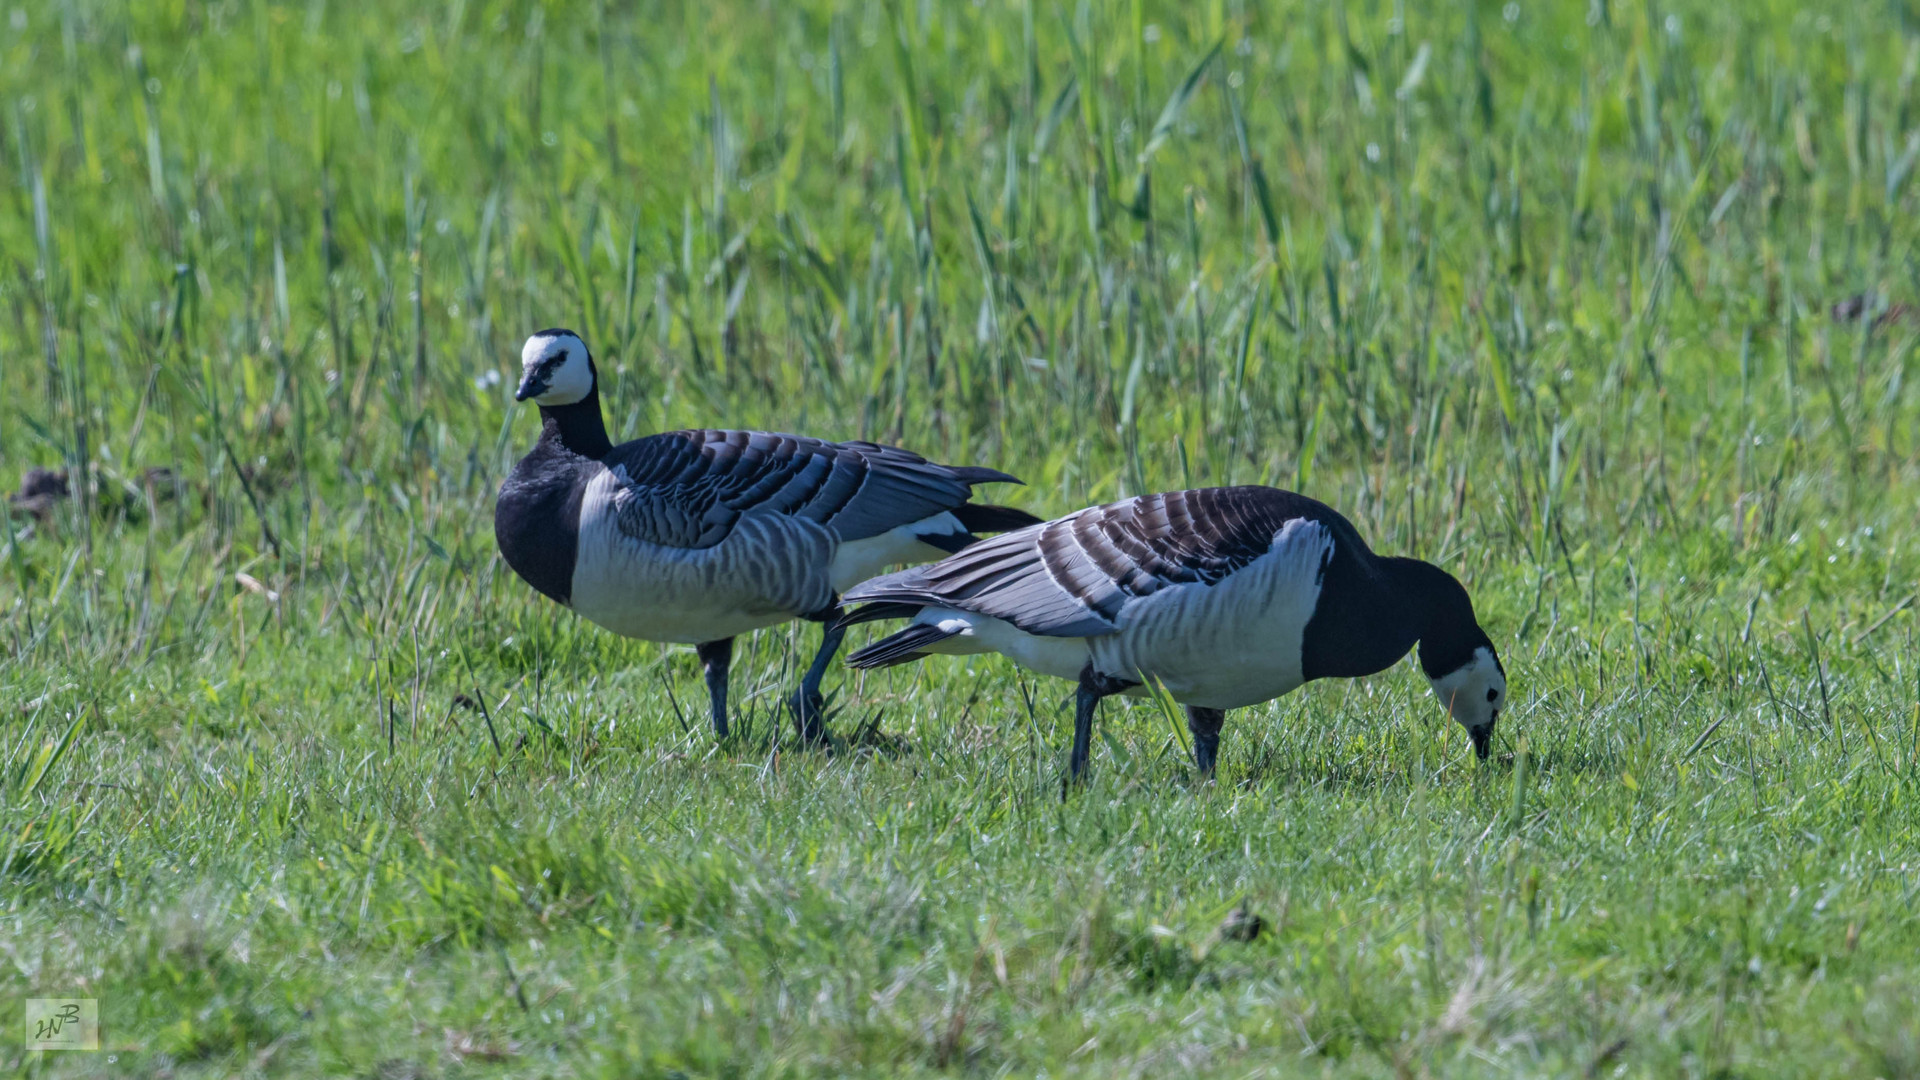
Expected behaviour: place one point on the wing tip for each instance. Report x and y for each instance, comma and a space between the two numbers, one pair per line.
980, 474
989, 518
878, 610
950, 543
903, 647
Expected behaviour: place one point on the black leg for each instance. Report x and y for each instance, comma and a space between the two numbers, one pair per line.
809, 718
1205, 725
715, 657
1093, 687
1084, 702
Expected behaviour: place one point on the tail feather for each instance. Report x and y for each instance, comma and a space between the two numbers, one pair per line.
948, 542
975, 474
873, 612
901, 648
985, 517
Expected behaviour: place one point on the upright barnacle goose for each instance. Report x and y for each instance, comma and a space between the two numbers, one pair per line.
1226, 596
699, 536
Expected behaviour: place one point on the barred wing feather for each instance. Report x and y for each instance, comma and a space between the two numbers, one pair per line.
689, 489
1070, 577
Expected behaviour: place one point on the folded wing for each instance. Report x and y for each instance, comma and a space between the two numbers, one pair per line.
1070, 577
690, 489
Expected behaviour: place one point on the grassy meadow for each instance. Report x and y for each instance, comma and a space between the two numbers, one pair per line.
1598, 304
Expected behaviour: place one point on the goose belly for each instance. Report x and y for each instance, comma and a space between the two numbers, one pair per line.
858, 560
768, 570
1227, 645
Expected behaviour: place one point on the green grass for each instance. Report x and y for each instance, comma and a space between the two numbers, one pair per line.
1540, 292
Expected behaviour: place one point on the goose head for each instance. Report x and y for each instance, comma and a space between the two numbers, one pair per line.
1474, 693
1456, 655
555, 369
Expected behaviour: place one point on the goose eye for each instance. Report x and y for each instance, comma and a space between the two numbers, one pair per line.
1493, 695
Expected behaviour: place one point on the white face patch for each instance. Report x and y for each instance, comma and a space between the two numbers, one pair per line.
555, 368
1474, 693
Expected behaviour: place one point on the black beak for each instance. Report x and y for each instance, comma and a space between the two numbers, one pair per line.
533, 385
1482, 741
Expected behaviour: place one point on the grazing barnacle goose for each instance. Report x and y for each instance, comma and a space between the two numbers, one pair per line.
698, 536
1226, 596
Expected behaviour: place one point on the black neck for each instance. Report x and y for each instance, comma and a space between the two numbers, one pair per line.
578, 426
1442, 615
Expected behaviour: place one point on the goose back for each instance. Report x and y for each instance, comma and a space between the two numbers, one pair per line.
691, 488
1071, 577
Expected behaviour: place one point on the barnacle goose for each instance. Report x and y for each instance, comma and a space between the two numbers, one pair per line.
698, 536
1226, 596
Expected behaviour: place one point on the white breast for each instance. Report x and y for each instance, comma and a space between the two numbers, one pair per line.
1230, 644
768, 570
